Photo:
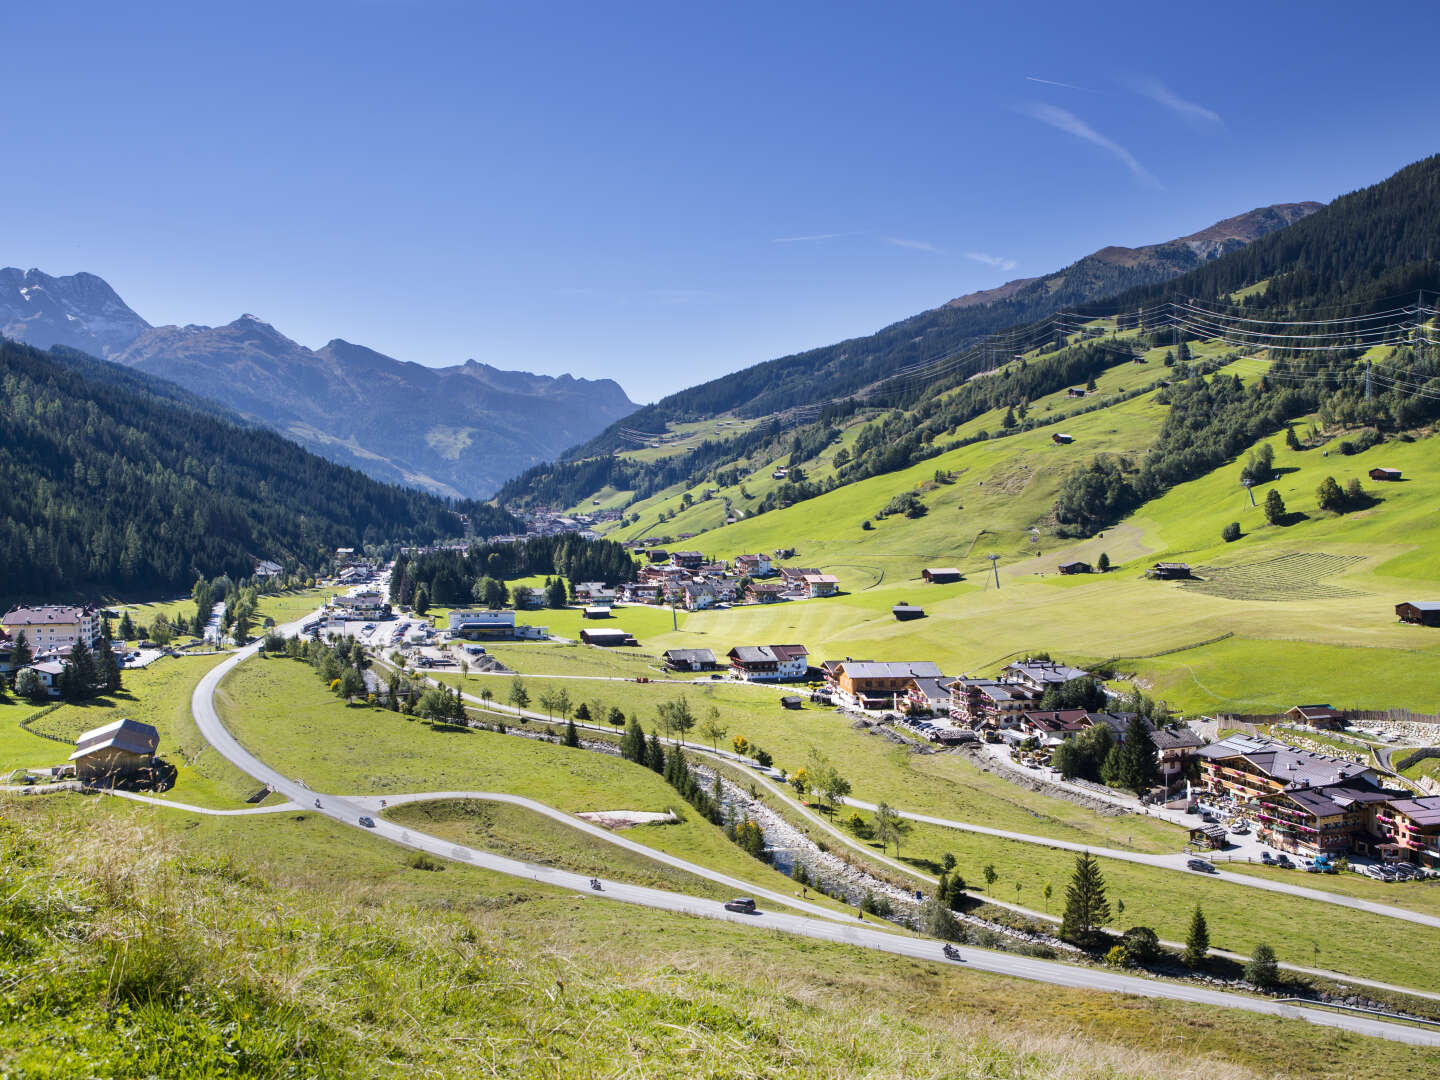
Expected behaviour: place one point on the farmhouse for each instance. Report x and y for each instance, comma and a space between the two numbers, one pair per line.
606, 638
690, 560
698, 595
1074, 567
123, 750
1055, 726
870, 684
1040, 675
760, 592
1170, 571
793, 577
657, 555
906, 612
753, 565
1316, 716
53, 626
941, 575
49, 672
688, 659
821, 584
1384, 474
769, 663
1419, 612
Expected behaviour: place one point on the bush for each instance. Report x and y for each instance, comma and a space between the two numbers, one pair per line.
1262, 969
1230, 533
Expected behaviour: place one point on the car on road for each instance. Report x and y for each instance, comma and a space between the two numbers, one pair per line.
1202, 866
368, 822
742, 904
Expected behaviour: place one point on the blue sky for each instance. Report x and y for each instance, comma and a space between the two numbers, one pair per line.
663, 193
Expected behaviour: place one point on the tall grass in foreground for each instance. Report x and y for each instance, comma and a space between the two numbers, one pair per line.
121, 956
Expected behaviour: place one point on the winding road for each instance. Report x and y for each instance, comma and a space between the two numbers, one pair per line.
827, 928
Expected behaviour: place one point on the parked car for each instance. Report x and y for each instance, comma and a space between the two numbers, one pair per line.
1266, 858
742, 904
1202, 866
1405, 871
1284, 860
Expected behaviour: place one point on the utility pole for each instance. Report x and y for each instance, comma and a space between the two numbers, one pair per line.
1249, 490
1367, 380
995, 566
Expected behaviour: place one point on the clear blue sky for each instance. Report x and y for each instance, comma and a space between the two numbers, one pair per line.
662, 193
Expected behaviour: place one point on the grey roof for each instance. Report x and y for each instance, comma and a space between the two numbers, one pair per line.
1287, 763
1175, 737
934, 689
1424, 811
753, 654
1046, 671
1423, 605
888, 669
694, 656
125, 734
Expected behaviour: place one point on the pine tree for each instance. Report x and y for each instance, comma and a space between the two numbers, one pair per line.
20, 654
1274, 507
1197, 941
80, 673
1086, 908
1262, 970
109, 669
655, 753
1292, 441
1139, 760
1103, 563
572, 734
632, 743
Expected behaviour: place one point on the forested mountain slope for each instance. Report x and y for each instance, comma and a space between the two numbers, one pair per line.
110, 483
822, 373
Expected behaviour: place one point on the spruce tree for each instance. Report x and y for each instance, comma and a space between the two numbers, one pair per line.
632, 743
1262, 970
1086, 908
655, 753
109, 669
1139, 760
20, 654
1197, 941
572, 734
1274, 507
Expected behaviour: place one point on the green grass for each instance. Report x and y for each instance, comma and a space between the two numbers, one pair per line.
523, 834
1421, 896
1239, 917
19, 749
944, 784
287, 607
281, 712
293, 946
159, 695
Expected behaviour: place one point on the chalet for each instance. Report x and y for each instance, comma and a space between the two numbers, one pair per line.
1242, 768
990, 702
1419, 612
779, 474
607, 638
640, 592
713, 569
688, 659
1214, 836
1317, 820
1054, 726
1412, 826
793, 577
769, 663
906, 612
1316, 716
49, 672
690, 560
727, 590
1175, 744
941, 575
821, 584
53, 626
870, 684
1074, 567
698, 595
1041, 675
596, 611
595, 592
123, 750
657, 555
1060, 438
1384, 474
1076, 391
1170, 571
928, 694
764, 593
753, 565
361, 605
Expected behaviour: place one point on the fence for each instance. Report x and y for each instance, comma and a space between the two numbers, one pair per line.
25, 724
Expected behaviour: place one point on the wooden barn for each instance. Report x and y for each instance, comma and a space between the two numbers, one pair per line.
1384, 474
123, 750
1419, 612
906, 612
1170, 571
1074, 567
941, 575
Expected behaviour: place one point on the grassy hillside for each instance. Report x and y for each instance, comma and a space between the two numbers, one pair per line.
292, 947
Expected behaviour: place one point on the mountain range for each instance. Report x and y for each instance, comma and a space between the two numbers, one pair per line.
829, 371
459, 431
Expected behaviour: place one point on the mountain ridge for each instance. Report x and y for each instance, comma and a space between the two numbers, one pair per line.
458, 431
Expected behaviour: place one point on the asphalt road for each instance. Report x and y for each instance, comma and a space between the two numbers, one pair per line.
349, 810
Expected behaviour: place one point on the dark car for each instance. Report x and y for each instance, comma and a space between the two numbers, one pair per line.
368, 822
1202, 866
741, 904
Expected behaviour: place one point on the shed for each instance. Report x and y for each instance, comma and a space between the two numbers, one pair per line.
941, 575
1211, 836
606, 638
596, 611
1076, 567
1420, 612
1170, 570
906, 612
1061, 438
1380, 473
122, 750
1316, 716
790, 701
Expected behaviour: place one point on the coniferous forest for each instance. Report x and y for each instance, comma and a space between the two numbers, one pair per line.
113, 482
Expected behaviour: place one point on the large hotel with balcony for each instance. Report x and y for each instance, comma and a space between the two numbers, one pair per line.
1315, 804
